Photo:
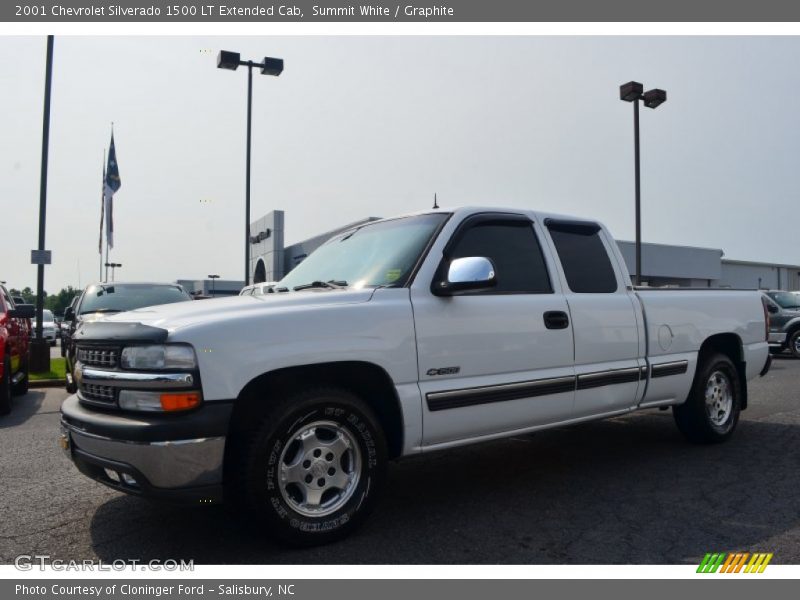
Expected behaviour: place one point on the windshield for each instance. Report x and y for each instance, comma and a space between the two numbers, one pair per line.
785, 299
47, 316
379, 254
112, 297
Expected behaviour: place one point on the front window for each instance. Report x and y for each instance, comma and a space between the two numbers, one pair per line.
47, 316
111, 297
785, 299
378, 254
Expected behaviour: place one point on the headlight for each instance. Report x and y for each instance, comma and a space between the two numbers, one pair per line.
158, 357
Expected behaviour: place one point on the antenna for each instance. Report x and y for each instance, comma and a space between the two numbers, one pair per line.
435, 203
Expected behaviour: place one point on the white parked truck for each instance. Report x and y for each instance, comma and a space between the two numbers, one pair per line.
401, 336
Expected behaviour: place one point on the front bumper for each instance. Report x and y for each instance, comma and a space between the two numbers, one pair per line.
176, 457
777, 338
767, 365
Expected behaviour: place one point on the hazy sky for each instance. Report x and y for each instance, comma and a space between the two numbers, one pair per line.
360, 126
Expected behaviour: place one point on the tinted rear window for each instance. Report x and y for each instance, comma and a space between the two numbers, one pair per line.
121, 297
584, 259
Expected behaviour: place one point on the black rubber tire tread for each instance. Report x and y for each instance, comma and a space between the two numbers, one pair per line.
691, 416
251, 482
5, 388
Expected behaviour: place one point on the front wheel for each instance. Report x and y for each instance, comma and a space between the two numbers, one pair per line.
313, 469
711, 411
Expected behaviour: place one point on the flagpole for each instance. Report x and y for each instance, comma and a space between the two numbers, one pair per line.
108, 216
102, 213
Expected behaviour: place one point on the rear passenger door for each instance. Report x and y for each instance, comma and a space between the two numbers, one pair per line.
488, 362
610, 373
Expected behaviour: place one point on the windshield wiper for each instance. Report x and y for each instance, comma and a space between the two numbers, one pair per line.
101, 310
331, 283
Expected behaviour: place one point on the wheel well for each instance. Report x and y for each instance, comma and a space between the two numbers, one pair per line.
730, 345
367, 380
791, 331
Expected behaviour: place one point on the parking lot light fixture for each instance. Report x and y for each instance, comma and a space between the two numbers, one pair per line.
113, 266
270, 66
654, 98
213, 279
228, 60
633, 92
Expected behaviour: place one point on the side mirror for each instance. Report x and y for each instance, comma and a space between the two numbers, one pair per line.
772, 308
23, 311
471, 273
69, 314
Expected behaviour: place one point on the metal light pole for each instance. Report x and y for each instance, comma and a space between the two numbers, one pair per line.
40, 349
270, 66
633, 92
213, 279
113, 266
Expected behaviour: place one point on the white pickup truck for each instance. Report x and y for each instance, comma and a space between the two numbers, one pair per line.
402, 336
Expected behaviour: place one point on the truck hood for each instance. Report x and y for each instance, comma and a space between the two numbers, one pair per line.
183, 314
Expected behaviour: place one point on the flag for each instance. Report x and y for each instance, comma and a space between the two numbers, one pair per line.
111, 185
102, 205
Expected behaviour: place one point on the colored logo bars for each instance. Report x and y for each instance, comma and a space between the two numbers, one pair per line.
738, 562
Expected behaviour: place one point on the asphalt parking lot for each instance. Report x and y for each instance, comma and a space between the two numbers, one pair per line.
626, 490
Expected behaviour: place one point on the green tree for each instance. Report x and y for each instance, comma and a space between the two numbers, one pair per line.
57, 303
27, 294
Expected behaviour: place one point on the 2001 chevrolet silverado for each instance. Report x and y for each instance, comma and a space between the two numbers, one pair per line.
401, 336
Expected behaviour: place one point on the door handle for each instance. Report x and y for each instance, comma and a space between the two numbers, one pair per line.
556, 319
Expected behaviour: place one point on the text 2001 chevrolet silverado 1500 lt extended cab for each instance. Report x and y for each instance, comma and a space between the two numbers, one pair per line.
402, 336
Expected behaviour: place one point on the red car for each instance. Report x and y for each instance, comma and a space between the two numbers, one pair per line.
15, 333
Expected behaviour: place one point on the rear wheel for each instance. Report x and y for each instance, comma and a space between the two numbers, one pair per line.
312, 470
794, 343
5, 388
711, 411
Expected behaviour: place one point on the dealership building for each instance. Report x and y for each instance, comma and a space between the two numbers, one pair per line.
663, 265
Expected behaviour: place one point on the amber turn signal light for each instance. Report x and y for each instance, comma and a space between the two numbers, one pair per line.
177, 401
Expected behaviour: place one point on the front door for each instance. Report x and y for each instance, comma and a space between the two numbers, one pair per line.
489, 361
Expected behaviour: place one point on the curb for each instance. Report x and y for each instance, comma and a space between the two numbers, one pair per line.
46, 383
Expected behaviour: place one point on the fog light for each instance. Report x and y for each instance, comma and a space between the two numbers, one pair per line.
158, 401
138, 400
112, 475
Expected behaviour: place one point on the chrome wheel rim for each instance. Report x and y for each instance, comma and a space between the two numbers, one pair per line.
319, 468
797, 344
719, 398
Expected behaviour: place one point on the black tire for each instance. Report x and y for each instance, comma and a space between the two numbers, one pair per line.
21, 387
794, 343
716, 375
259, 458
5, 388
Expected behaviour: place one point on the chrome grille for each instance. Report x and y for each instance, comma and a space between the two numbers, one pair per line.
98, 357
97, 393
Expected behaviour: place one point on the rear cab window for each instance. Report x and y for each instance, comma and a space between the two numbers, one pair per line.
584, 257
